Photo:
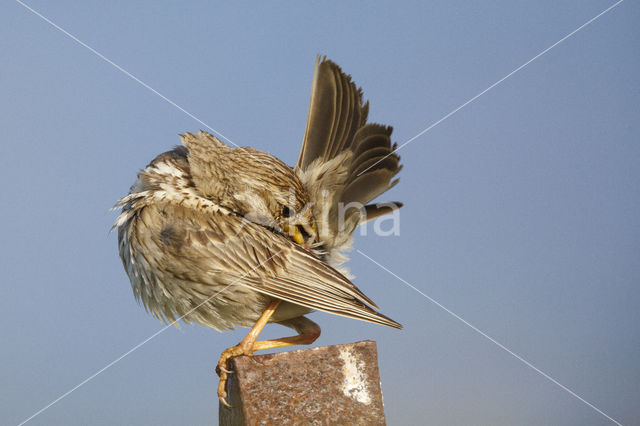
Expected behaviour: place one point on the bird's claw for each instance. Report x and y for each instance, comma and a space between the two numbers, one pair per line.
223, 371
220, 369
224, 402
222, 391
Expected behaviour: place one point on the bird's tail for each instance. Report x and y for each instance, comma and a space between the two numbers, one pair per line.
345, 161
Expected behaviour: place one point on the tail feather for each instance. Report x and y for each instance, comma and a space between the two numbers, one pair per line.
374, 162
372, 135
368, 187
336, 112
373, 211
364, 162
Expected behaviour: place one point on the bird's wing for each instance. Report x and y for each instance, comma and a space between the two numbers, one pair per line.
229, 249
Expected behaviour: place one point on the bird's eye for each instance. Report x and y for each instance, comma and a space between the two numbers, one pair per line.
286, 212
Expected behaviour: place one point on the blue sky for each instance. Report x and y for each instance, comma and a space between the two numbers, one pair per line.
521, 209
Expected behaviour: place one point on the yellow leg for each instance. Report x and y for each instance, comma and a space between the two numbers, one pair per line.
308, 331
245, 347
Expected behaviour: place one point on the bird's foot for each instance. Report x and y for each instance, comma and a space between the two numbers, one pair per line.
222, 369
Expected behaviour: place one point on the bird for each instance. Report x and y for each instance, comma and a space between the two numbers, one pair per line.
226, 236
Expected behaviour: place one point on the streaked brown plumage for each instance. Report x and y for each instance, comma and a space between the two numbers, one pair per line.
227, 236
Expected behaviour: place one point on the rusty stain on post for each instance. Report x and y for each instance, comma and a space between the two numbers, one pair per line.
324, 386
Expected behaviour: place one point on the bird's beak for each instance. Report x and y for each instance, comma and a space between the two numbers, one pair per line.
303, 234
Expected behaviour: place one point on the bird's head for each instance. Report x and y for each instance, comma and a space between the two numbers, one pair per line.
253, 184
300, 226
276, 199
